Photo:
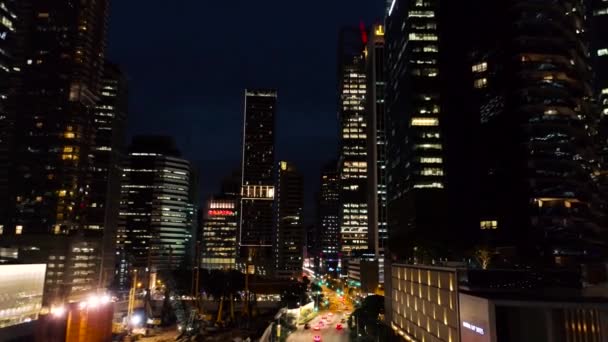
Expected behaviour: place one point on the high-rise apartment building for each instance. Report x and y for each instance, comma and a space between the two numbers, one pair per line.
156, 222
328, 219
109, 154
533, 84
289, 232
58, 88
353, 141
376, 134
255, 238
218, 235
59, 61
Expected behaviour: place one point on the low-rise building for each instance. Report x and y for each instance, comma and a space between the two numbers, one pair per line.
455, 304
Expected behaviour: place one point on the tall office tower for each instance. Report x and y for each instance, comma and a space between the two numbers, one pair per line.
353, 141
599, 53
156, 219
218, 236
289, 231
58, 89
258, 177
109, 156
533, 82
376, 150
415, 154
7, 60
329, 218
7, 31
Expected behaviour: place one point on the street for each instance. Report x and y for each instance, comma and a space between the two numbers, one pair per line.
327, 332
338, 310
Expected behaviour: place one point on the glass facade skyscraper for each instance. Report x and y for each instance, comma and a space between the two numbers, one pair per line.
289, 232
156, 221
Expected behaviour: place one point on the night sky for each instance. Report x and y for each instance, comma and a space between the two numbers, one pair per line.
188, 62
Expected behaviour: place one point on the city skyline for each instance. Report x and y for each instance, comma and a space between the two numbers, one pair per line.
199, 106
390, 170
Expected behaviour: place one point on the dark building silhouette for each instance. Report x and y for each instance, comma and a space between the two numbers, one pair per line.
8, 30
255, 239
328, 219
416, 108
289, 233
599, 54
109, 154
157, 208
533, 83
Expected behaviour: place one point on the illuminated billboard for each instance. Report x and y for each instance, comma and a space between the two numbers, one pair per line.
21, 288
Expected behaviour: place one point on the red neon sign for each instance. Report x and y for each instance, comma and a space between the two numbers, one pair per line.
364, 38
221, 213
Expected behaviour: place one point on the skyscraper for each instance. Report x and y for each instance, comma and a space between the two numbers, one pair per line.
289, 232
353, 141
258, 178
415, 172
376, 134
156, 219
328, 219
59, 63
108, 158
8, 29
58, 88
534, 89
599, 53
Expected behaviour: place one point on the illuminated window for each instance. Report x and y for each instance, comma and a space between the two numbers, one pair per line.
488, 224
62, 193
431, 172
427, 160
425, 122
480, 67
423, 36
421, 14
430, 48
602, 52
1, 229
69, 135
428, 147
18, 230
480, 83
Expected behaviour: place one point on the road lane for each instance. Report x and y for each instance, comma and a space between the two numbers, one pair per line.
328, 331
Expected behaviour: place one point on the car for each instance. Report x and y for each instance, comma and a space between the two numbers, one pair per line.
317, 328
317, 338
339, 326
306, 326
